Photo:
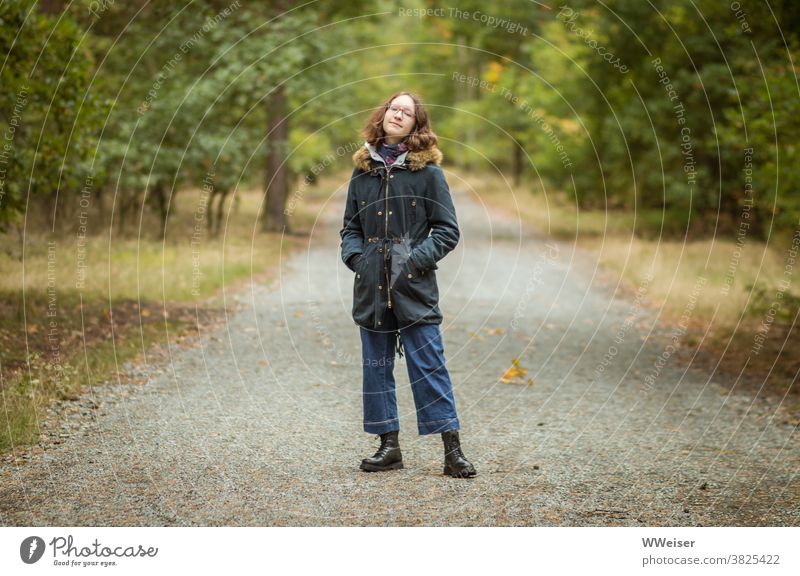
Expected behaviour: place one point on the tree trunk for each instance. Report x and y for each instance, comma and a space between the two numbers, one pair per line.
273, 218
210, 211
519, 161
156, 198
122, 211
220, 210
163, 208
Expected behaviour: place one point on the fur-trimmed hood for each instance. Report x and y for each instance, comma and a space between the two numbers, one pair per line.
414, 160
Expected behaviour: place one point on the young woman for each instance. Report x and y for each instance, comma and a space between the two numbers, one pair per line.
398, 223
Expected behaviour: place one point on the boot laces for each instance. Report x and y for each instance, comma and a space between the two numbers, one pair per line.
454, 448
383, 447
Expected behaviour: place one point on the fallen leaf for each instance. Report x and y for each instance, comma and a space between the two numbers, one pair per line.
515, 372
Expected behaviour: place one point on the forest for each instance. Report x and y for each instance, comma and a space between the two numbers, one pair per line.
685, 112
155, 152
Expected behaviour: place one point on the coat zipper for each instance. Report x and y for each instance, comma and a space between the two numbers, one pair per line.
386, 235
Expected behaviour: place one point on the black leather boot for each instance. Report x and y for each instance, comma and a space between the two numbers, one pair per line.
455, 464
388, 456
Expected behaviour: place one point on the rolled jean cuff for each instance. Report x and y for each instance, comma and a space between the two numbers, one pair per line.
438, 426
382, 427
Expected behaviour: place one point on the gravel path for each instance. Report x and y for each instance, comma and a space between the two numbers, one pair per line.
259, 422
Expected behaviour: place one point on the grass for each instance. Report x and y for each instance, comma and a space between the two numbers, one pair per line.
675, 265
63, 327
33, 384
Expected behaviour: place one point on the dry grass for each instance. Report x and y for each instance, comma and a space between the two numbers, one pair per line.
737, 280
187, 266
732, 284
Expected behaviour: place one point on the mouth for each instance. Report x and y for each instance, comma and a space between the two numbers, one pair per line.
395, 124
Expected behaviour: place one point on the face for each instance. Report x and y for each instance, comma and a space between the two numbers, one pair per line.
397, 123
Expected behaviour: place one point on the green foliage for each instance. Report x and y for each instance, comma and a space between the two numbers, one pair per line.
150, 98
768, 122
772, 303
47, 115
680, 132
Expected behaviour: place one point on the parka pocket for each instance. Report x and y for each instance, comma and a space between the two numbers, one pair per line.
415, 295
363, 282
400, 252
418, 284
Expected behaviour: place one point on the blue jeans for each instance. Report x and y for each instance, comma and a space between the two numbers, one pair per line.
430, 381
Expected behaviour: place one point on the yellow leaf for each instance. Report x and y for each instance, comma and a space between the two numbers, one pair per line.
516, 371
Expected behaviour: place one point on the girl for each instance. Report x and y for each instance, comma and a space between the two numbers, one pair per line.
399, 221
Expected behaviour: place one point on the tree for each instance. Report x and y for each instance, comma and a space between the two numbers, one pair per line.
46, 131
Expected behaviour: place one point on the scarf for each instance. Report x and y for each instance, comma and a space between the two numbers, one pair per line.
390, 152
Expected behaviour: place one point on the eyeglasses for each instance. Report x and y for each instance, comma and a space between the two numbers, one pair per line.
406, 112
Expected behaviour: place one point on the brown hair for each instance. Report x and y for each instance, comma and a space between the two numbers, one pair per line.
421, 138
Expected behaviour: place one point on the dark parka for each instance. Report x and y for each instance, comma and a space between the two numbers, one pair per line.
402, 221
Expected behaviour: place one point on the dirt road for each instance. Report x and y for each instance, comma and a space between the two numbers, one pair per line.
259, 423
